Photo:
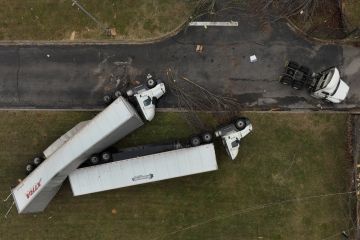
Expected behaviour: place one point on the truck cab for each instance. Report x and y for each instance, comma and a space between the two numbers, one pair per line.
232, 134
326, 85
146, 96
329, 86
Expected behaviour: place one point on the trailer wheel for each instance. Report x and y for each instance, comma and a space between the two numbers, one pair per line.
94, 159
37, 160
106, 156
240, 124
293, 65
117, 94
29, 168
151, 83
107, 99
207, 137
195, 141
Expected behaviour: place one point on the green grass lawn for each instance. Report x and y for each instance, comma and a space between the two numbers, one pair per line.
56, 20
351, 11
287, 156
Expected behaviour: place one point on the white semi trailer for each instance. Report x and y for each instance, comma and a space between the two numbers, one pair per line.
150, 163
135, 170
66, 154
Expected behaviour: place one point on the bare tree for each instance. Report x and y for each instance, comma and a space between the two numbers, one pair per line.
192, 98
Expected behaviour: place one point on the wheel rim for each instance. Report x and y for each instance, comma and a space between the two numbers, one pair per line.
94, 160
37, 160
106, 156
151, 82
240, 124
195, 141
207, 137
29, 168
117, 94
106, 98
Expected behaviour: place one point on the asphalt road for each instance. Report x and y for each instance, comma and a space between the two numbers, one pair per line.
79, 76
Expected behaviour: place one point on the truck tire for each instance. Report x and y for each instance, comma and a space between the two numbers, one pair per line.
29, 168
207, 137
240, 124
37, 160
107, 99
150, 83
117, 94
195, 141
94, 159
106, 156
293, 65
286, 80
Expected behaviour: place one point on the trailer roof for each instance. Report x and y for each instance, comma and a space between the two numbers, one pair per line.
143, 169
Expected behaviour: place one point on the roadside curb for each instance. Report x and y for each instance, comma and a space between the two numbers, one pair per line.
166, 36
177, 110
280, 111
310, 38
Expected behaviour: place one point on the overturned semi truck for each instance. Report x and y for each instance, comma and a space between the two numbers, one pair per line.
66, 154
156, 162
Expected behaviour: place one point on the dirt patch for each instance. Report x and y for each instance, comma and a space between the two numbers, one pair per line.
325, 23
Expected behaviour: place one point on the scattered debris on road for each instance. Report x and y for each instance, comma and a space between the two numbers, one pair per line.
253, 58
191, 97
199, 48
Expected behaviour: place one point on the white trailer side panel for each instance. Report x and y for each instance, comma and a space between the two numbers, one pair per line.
36, 190
145, 169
